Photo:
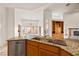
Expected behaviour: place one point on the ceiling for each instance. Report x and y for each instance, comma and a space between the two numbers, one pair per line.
55, 7
28, 6
62, 8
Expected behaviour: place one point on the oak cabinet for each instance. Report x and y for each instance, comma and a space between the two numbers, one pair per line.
65, 53
57, 30
33, 43
32, 48
43, 52
48, 50
41, 49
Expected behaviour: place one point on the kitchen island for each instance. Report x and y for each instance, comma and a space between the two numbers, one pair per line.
32, 47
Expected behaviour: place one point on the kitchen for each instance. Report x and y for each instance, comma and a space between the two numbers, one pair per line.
41, 32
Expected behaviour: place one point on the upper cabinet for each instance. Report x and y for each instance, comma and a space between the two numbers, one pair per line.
57, 29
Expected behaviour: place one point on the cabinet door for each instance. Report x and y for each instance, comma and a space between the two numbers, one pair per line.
65, 53
49, 48
16, 48
57, 29
32, 50
46, 53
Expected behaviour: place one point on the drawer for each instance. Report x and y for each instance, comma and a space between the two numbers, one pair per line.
32, 43
46, 53
49, 48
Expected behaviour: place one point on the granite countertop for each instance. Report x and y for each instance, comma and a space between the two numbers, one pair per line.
72, 45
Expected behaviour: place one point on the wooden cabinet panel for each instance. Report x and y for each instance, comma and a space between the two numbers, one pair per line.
65, 53
32, 50
32, 43
46, 53
57, 29
49, 47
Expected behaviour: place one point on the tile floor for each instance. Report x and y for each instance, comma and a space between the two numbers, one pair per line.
3, 51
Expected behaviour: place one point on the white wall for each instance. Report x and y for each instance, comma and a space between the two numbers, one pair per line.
6, 24
57, 16
71, 20
28, 15
10, 22
3, 25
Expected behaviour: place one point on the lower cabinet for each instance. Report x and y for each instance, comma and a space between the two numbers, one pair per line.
32, 50
65, 53
48, 50
46, 53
